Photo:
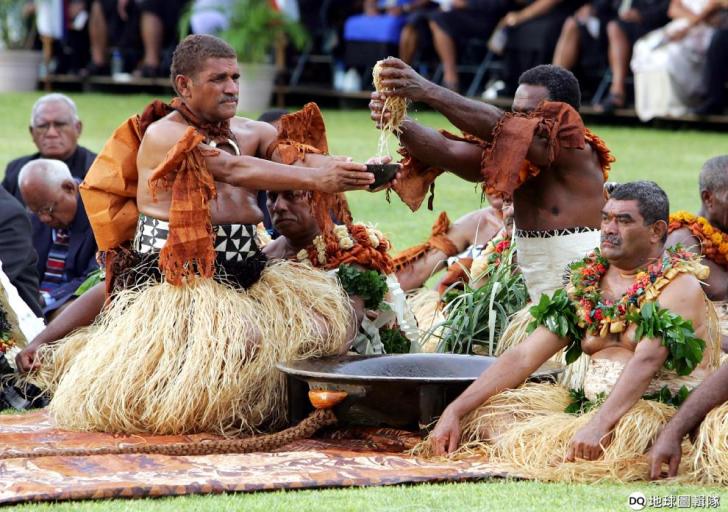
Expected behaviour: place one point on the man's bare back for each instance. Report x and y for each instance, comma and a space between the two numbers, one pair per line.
233, 205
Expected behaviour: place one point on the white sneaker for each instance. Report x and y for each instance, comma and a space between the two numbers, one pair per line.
351, 81
492, 90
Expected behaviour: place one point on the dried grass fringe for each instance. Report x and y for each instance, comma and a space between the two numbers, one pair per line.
525, 431
196, 358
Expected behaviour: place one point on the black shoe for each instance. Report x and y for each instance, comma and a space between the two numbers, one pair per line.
611, 103
94, 69
709, 107
147, 71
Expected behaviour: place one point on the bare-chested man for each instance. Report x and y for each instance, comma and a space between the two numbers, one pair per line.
201, 317
623, 369
707, 232
462, 241
556, 211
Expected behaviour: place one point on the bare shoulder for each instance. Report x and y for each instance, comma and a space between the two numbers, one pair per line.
684, 237
682, 294
243, 124
164, 133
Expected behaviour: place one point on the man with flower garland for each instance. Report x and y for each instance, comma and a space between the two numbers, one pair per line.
707, 232
359, 254
645, 356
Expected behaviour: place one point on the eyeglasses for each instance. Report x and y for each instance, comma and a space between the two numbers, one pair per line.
46, 210
58, 125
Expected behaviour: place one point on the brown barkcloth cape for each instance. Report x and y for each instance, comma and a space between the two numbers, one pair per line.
504, 165
109, 190
438, 240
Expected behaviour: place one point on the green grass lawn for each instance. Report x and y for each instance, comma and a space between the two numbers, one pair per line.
671, 158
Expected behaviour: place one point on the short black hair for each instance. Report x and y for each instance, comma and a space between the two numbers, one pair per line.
652, 201
560, 82
194, 50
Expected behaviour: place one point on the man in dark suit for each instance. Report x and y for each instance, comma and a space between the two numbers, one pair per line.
55, 128
17, 254
62, 235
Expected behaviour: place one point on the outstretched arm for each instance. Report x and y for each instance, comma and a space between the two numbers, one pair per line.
509, 370
471, 116
667, 449
432, 147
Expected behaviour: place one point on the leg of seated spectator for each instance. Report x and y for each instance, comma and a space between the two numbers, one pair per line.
716, 74
152, 30
98, 34
408, 41
566, 53
620, 51
446, 50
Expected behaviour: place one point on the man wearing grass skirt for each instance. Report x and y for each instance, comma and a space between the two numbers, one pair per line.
540, 155
639, 311
198, 318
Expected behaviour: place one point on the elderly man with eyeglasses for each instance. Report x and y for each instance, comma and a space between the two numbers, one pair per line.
55, 128
62, 235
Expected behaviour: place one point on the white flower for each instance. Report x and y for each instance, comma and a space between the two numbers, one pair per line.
302, 255
373, 238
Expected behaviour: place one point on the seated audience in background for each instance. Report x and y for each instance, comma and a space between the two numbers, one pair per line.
582, 44
531, 33
112, 23
635, 19
668, 63
415, 40
158, 20
208, 16
715, 74
452, 29
16, 250
62, 235
55, 128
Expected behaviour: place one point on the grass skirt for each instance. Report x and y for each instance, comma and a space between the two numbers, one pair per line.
169, 359
526, 431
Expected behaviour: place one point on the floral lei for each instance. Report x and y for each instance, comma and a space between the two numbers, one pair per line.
580, 308
713, 242
6, 340
602, 316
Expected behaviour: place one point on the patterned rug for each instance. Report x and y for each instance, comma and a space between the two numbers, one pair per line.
339, 458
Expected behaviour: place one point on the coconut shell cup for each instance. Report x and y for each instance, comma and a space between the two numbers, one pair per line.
383, 174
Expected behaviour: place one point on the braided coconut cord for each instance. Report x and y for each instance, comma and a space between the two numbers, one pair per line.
317, 420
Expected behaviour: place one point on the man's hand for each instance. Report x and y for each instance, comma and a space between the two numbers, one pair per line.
512, 19
399, 79
339, 176
666, 450
631, 16
588, 441
445, 437
376, 106
382, 160
27, 359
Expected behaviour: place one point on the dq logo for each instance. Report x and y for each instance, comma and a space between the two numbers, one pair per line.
637, 501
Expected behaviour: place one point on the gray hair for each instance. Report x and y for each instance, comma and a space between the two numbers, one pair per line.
55, 172
50, 98
714, 174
